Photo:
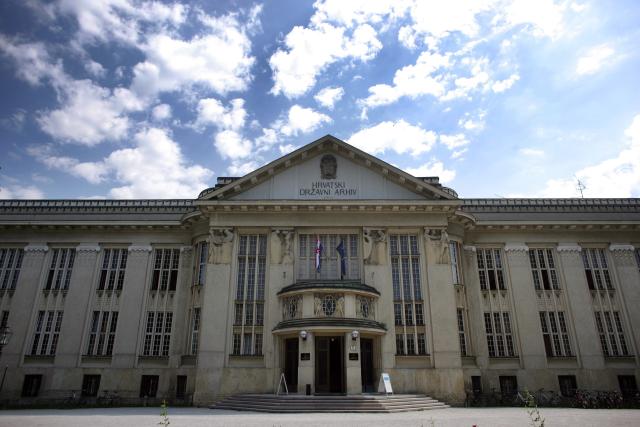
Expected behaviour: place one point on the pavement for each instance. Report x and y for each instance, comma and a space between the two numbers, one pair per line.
201, 417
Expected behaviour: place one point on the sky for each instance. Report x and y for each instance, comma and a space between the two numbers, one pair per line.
148, 99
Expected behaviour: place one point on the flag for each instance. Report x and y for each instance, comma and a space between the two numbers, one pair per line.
318, 253
343, 259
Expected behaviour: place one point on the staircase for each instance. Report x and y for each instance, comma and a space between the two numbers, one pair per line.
354, 403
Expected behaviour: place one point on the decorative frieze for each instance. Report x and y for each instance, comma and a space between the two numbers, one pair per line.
623, 254
87, 248
516, 247
620, 247
569, 247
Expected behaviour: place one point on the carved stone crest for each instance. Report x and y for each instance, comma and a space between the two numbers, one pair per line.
374, 246
220, 240
328, 167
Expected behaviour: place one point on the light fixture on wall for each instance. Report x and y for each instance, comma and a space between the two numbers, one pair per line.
303, 335
355, 335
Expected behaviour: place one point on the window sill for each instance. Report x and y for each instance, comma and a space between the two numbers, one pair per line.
9, 292
55, 292
86, 358
562, 361
35, 359
620, 360
109, 292
154, 360
505, 362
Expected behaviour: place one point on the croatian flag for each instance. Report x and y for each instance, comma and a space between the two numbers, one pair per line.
318, 253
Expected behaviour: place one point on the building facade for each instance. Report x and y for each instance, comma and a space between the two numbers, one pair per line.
329, 267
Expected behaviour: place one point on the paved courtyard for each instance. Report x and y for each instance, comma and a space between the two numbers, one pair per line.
196, 417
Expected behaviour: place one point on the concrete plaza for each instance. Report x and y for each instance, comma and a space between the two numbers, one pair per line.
196, 417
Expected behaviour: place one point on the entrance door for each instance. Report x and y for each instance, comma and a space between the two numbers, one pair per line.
291, 364
329, 364
366, 365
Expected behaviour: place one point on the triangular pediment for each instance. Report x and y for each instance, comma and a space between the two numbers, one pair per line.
328, 169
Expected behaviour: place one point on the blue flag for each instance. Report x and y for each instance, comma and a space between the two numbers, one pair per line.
343, 259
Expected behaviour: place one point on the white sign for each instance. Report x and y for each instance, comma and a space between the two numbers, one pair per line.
328, 189
384, 386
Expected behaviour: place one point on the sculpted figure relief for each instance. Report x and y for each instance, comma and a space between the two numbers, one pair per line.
374, 246
282, 246
438, 245
328, 167
220, 245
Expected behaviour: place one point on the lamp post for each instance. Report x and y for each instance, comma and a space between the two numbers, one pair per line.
5, 336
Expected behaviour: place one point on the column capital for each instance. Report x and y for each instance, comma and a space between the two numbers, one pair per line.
88, 247
469, 248
140, 248
516, 247
621, 247
36, 247
568, 247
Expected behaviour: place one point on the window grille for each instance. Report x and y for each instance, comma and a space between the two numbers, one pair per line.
456, 262
407, 293
10, 265
596, 269
490, 269
114, 265
461, 332
202, 250
330, 259
195, 330
555, 334
499, 334
59, 275
543, 269
103, 333
165, 269
611, 332
157, 337
47, 332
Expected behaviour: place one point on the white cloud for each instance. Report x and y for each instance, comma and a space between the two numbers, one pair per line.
302, 120
90, 114
531, 152
473, 122
33, 62
287, 148
615, 177
433, 168
94, 68
328, 96
543, 17
594, 59
212, 112
502, 85
239, 168
232, 145
453, 142
161, 112
153, 168
309, 51
13, 191
398, 136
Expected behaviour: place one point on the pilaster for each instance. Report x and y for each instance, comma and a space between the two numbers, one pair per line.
579, 299
525, 311
476, 330
627, 271
76, 305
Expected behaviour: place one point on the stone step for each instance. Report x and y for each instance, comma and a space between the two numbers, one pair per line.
300, 403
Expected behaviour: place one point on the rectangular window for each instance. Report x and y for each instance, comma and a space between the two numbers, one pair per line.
461, 335
202, 250
4, 320
46, 333
422, 344
543, 269
555, 334
628, 386
195, 330
60, 269
568, 385
114, 265
596, 269
181, 387
508, 385
90, 385
490, 271
456, 262
249, 304
407, 293
499, 334
611, 333
149, 385
165, 269
10, 265
157, 337
102, 334
330, 268
31, 385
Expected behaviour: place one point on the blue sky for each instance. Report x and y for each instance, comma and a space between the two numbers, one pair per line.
144, 99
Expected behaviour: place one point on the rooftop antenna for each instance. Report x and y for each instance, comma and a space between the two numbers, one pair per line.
580, 186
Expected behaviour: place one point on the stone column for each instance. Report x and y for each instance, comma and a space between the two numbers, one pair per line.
352, 367
525, 311
279, 274
132, 307
579, 300
627, 271
442, 300
24, 305
77, 305
181, 329
476, 331
214, 315
377, 274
